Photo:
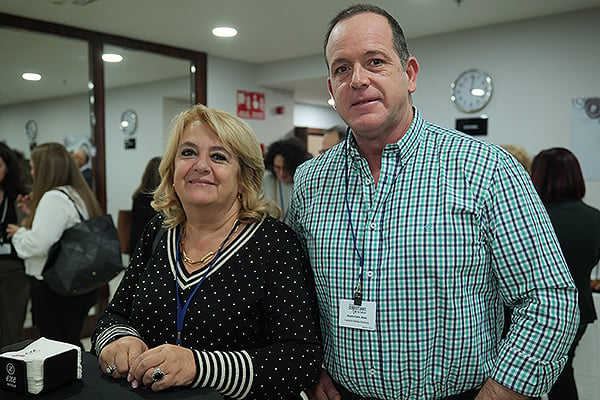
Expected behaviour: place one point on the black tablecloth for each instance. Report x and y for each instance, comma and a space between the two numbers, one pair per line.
96, 385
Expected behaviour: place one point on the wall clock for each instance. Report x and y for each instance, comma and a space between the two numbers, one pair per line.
129, 120
472, 90
31, 131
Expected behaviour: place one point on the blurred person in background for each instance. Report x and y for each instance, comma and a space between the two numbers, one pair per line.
14, 286
281, 160
50, 212
558, 179
141, 210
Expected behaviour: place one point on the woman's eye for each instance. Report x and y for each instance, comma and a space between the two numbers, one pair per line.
218, 157
187, 153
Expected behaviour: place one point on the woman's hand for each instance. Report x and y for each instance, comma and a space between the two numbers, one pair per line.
324, 389
11, 229
24, 203
117, 357
175, 362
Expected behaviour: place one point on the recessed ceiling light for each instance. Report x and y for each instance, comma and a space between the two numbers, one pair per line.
31, 76
224, 31
112, 58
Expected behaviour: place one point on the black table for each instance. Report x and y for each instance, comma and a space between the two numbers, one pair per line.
96, 385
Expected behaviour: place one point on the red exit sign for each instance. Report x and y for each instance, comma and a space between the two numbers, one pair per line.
250, 105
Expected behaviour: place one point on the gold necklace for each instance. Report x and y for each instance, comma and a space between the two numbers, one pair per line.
208, 256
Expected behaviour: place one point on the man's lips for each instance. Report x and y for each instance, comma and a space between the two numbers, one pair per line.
361, 102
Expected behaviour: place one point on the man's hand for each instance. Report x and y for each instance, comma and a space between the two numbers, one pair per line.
324, 389
492, 390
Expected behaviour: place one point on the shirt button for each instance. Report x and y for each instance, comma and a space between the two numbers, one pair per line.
369, 274
373, 225
372, 372
368, 181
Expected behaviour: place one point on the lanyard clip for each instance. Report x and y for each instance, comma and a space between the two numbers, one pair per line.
358, 294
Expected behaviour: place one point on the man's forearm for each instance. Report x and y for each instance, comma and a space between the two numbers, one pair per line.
492, 390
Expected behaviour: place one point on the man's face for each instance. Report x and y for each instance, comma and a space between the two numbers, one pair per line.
370, 86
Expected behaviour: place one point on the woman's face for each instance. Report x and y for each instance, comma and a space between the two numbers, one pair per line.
281, 169
3, 170
206, 174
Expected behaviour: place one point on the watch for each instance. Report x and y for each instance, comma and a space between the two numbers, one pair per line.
472, 90
128, 122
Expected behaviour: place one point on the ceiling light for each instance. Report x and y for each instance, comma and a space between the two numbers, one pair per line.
224, 31
31, 76
112, 58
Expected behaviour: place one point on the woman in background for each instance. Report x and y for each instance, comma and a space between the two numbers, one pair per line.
281, 161
14, 286
59, 192
141, 210
557, 177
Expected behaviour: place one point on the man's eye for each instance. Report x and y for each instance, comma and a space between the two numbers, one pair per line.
341, 70
376, 62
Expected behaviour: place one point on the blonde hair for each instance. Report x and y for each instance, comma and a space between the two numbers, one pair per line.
239, 139
55, 167
520, 154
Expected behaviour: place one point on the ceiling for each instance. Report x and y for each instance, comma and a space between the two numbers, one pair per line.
269, 30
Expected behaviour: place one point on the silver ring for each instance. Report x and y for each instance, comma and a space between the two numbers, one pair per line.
158, 375
110, 369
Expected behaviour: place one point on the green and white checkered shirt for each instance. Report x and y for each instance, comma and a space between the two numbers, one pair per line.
453, 230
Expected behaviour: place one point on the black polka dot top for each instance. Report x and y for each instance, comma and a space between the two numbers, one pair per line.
252, 324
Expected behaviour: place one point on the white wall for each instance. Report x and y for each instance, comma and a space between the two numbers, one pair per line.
537, 67
311, 116
226, 77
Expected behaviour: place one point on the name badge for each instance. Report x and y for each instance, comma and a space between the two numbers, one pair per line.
5, 248
357, 317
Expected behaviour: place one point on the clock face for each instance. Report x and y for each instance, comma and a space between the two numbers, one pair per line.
128, 122
472, 90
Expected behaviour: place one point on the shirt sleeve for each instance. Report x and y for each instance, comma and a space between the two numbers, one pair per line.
53, 215
534, 280
293, 356
114, 321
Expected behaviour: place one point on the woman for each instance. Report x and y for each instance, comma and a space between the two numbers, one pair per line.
557, 177
241, 316
141, 210
281, 160
14, 286
59, 192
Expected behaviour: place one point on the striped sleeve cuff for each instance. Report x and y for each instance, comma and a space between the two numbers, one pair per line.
113, 333
229, 372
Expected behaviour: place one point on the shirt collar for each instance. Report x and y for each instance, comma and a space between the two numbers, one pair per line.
405, 147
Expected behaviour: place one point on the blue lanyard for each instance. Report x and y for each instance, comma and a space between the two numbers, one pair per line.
358, 288
181, 311
284, 210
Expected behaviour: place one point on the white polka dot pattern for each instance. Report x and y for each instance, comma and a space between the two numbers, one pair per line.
252, 323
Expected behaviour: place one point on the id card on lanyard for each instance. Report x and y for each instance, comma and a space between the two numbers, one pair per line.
4, 247
355, 313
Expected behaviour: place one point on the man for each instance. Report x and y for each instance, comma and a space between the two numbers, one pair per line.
331, 137
418, 235
82, 159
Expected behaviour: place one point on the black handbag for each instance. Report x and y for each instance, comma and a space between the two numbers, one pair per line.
87, 256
